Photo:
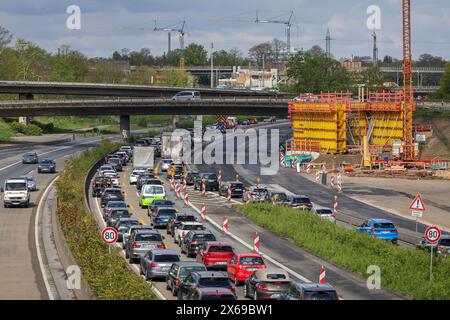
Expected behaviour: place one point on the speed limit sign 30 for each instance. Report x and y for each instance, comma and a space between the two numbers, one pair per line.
432, 234
110, 235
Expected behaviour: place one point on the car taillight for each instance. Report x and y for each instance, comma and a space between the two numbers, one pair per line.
177, 283
333, 215
262, 287
395, 230
136, 245
240, 267
161, 246
373, 230
153, 265
194, 243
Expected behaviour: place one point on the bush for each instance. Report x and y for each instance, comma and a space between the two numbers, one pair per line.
6, 132
404, 270
106, 274
28, 130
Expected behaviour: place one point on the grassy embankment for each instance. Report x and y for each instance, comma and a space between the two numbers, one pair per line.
106, 274
404, 270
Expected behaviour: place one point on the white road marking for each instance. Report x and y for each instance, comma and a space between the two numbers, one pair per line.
36, 239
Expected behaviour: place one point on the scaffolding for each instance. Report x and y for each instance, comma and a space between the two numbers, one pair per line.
334, 123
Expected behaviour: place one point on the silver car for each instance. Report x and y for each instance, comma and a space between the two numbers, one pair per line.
165, 164
183, 96
31, 182
129, 231
141, 241
157, 262
325, 213
123, 224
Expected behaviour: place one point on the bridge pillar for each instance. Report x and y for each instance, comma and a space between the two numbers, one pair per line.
25, 96
176, 122
125, 132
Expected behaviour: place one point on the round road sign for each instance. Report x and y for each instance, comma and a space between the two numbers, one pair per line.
110, 235
432, 234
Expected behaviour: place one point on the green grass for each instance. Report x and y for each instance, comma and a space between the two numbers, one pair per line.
404, 270
6, 133
105, 273
431, 113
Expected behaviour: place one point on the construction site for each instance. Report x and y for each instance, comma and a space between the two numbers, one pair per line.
371, 133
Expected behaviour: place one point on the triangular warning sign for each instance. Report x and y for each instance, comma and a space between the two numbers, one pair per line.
417, 204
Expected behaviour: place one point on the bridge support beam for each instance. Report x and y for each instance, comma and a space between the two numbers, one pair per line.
25, 96
125, 131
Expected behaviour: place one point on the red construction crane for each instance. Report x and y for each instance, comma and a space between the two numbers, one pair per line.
408, 95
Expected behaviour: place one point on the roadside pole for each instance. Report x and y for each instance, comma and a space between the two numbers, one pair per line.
417, 208
432, 236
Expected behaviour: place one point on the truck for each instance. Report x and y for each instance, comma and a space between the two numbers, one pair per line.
172, 145
143, 157
15, 193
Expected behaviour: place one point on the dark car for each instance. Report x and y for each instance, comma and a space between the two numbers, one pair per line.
237, 189
210, 179
159, 203
308, 291
115, 215
179, 271
263, 283
147, 180
30, 157
203, 279
143, 177
190, 177
141, 142
196, 240
278, 198
99, 184
441, 247
178, 172
47, 165
122, 225
212, 294
111, 194
110, 205
300, 202
162, 216
177, 219
116, 162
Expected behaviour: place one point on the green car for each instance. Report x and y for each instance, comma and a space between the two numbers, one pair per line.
150, 193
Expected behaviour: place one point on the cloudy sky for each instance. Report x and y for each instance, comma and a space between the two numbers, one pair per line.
103, 21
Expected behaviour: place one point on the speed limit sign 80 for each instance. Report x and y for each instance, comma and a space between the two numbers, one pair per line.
432, 234
110, 235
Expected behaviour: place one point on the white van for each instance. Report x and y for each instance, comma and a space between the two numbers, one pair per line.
15, 193
187, 96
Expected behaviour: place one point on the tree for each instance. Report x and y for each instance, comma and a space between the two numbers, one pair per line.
444, 91
9, 64
5, 37
143, 75
428, 60
195, 55
371, 77
257, 52
316, 51
34, 62
69, 65
315, 74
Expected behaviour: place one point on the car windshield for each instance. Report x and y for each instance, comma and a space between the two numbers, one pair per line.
122, 213
192, 227
280, 196
46, 162
28, 178
324, 211
186, 218
129, 223
30, 154
148, 237
214, 282
166, 258
211, 176
251, 260
167, 161
167, 212
16, 186
259, 190
276, 276
204, 237
153, 190
301, 200
116, 205
220, 249
320, 295
113, 191
384, 225
236, 185
184, 271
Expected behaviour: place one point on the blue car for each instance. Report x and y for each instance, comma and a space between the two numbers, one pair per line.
380, 228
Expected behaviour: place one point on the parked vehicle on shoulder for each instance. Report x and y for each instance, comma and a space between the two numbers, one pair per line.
179, 271
380, 228
157, 262
308, 291
263, 283
241, 266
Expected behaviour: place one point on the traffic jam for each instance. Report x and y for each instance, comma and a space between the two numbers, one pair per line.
147, 212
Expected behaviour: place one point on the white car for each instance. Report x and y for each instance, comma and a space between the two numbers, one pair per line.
165, 164
325, 213
109, 173
115, 182
106, 167
135, 175
182, 230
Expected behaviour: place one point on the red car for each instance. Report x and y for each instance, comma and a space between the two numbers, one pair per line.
253, 121
243, 265
215, 255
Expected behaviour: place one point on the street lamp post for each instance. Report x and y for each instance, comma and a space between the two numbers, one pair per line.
212, 66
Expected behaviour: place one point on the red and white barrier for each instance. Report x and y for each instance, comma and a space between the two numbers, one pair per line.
256, 243
322, 276
229, 194
184, 185
172, 186
186, 200
219, 178
177, 190
203, 212
249, 198
332, 183
203, 188
339, 182
225, 225
335, 205
318, 176
308, 168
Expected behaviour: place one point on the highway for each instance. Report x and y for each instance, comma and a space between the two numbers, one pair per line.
21, 267
277, 252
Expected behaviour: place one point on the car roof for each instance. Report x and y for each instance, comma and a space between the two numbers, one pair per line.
315, 286
240, 255
206, 231
210, 274
262, 273
189, 264
299, 196
128, 219
164, 251
218, 243
184, 213
380, 221
195, 223
143, 230
215, 290
112, 189
322, 208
